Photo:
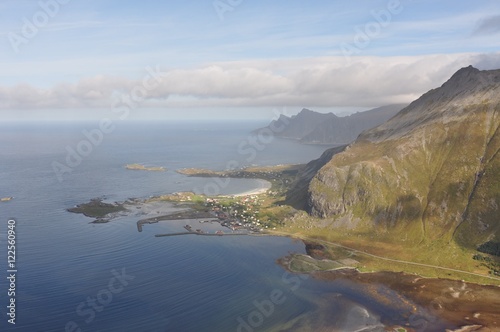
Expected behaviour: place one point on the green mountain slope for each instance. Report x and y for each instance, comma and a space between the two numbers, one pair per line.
432, 171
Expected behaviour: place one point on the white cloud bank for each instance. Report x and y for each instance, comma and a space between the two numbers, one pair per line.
311, 82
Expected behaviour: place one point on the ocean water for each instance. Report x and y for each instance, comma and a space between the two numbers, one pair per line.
179, 284
77, 276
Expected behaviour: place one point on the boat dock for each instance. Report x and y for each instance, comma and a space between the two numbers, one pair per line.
196, 233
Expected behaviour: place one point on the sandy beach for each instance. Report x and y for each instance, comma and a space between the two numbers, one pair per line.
263, 187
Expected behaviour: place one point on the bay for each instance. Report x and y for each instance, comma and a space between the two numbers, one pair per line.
175, 284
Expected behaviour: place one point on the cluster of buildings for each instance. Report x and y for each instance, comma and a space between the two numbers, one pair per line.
237, 214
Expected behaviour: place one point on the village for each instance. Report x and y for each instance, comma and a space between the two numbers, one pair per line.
238, 213
241, 215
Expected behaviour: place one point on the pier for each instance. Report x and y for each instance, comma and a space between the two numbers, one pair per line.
202, 234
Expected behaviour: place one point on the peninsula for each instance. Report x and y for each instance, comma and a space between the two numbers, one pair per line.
139, 167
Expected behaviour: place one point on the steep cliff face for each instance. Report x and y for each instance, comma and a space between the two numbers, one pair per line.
297, 196
431, 171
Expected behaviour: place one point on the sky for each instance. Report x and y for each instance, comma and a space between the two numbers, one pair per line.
83, 59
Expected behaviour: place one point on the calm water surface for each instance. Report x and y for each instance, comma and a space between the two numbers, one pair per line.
166, 284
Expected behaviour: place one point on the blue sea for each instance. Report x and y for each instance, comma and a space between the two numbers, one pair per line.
76, 276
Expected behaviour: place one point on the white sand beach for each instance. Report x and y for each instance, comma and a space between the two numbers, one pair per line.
263, 187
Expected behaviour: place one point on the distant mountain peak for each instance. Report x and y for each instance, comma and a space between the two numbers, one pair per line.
466, 70
471, 79
306, 111
468, 86
326, 128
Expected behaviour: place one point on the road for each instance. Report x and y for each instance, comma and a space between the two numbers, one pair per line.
381, 257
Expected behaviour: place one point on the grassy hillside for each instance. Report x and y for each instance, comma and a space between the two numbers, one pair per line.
427, 177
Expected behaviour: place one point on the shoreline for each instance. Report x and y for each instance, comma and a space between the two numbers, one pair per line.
420, 291
263, 188
277, 178
422, 302
445, 304
305, 239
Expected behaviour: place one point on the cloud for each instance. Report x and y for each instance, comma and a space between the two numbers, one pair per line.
488, 26
90, 92
311, 82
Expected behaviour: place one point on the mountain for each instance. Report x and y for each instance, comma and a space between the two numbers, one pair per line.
313, 127
343, 130
300, 125
298, 196
431, 171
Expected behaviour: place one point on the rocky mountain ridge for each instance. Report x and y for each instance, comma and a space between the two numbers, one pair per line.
430, 172
326, 128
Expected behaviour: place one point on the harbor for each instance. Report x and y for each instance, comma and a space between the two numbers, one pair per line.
202, 234
237, 215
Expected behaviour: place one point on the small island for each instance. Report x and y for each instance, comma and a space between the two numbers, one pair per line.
139, 167
96, 208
